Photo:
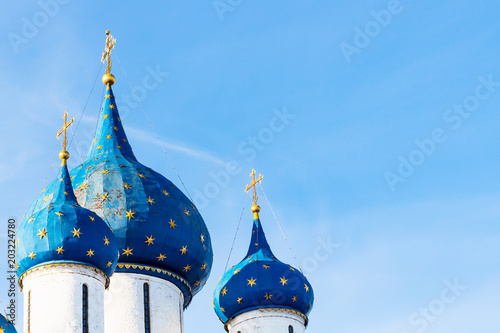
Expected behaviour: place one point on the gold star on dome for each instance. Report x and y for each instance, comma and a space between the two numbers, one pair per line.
239, 300
256, 244
265, 266
283, 281
294, 299
150, 200
104, 171
32, 255
31, 219
130, 214
291, 268
94, 141
186, 212
65, 193
306, 287
104, 196
46, 198
127, 186
119, 147
268, 296
118, 118
91, 218
165, 192
108, 264
106, 241
60, 250
90, 253
236, 271
106, 116
115, 128
223, 291
108, 136
184, 249
202, 238
161, 257
59, 214
124, 140
62, 179
76, 232
111, 106
42, 233
222, 309
150, 240
203, 267
127, 251
141, 175
187, 268
197, 283
252, 282
2, 330
99, 147
172, 223
108, 96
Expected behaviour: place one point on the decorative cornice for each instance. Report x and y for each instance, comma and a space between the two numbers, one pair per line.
298, 313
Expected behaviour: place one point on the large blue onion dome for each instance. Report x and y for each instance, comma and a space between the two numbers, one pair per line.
64, 233
159, 231
262, 281
6, 326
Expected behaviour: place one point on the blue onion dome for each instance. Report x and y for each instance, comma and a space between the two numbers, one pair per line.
6, 326
64, 232
262, 281
159, 231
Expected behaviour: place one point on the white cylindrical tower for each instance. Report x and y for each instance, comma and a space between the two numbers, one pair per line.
269, 320
143, 303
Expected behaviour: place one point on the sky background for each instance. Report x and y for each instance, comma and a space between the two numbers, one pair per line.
363, 100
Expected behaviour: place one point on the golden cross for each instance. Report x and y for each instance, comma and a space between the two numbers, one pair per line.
253, 184
110, 44
63, 130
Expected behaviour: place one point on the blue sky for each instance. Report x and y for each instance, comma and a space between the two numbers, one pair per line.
373, 123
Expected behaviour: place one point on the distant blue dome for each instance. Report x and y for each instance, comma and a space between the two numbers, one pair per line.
6, 326
158, 229
261, 281
65, 232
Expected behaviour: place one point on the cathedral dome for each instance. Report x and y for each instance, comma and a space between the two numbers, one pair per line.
261, 281
64, 232
6, 326
158, 229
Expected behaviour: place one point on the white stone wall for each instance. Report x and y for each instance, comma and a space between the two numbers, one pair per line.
273, 321
124, 304
56, 300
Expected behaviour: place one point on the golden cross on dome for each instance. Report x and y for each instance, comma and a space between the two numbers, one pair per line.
63, 130
110, 44
253, 184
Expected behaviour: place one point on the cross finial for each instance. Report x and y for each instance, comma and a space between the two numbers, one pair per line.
110, 44
64, 155
253, 184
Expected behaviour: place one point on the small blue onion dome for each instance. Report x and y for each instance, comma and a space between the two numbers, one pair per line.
6, 326
261, 281
65, 232
159, 231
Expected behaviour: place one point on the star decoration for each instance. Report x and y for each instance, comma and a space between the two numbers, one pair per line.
256, 244
105, 171
283, 281
108, 136
197, 283
291, 268
294, 299
184, 249
239, 300
90, 253
161, 257
111, 106
127, 251
130, 214
115, 128
42, 233
127, 186
108, 264
32, 255
223, 291
150, 240
99, 147
62, 179
252, 282
236, 271
106, 116
65, 193
60, 250
150, 200
91, 218
187, 268
265, 266
306, 287
108, 96
106, 241
268, 296
31, 219
141, 175
165, 192
202, 238
76, 233
118, 118
104, 196
119, 147
46, 198
203, 267
186, 212
172, 223
59, 214
124, 140
222, 309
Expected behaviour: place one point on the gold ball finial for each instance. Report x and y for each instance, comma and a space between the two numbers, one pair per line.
107, 32
108, 79
255, 208
64, 155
